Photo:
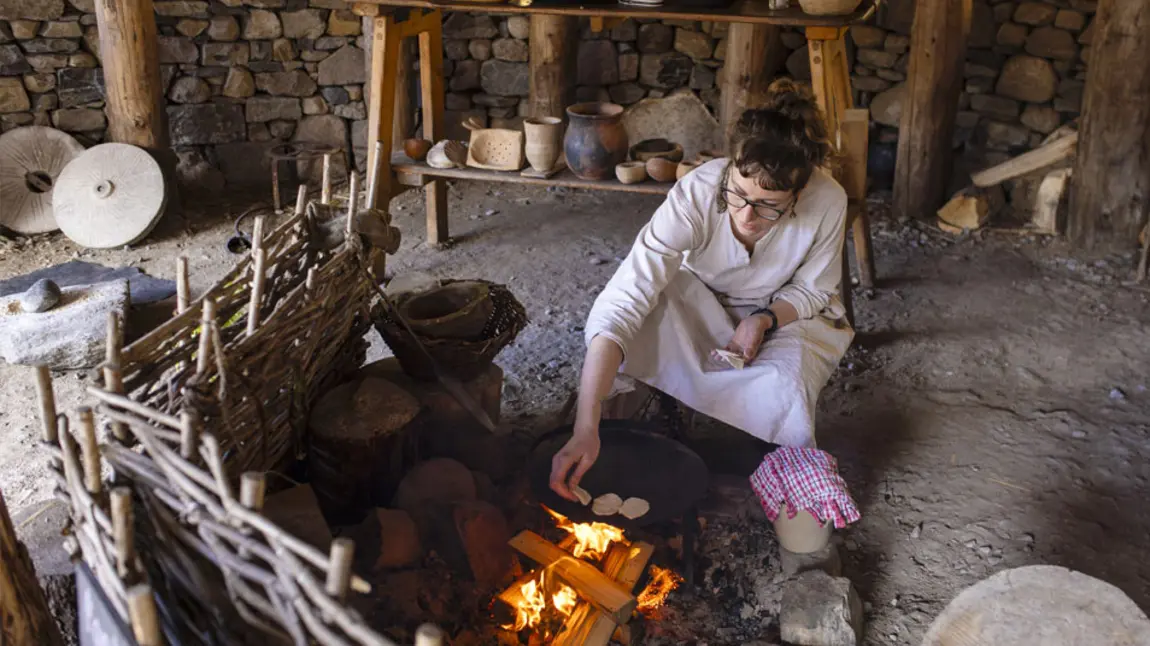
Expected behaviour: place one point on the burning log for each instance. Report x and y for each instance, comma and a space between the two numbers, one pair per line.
588, 626
595, 586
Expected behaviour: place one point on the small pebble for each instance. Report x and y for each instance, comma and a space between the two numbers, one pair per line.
41, 296
596, 261
490, 212
1078, 435
1117, 395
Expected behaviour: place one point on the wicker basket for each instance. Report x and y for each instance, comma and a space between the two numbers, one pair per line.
829, 7
459, 358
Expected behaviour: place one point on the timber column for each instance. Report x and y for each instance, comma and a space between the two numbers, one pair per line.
754, 54
553, 41
132, 73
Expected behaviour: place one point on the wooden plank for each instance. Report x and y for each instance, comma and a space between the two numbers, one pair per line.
410, 173
431, 77
129, 53
381, 95
1028, 162
934, 82
594, 586
754, 54
513, 595
751, 11
553, 40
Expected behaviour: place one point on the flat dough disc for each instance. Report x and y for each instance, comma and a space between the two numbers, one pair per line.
31, 160
607, 505
111, 196
582, 494
634, 508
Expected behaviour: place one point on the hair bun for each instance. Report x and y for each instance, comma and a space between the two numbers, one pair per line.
792, 100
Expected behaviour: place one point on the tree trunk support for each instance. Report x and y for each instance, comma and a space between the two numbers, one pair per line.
553, 41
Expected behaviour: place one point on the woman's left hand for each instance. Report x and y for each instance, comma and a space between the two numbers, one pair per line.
749, 336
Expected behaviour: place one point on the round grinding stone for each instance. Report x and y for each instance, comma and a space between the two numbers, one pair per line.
31, 160
110, 196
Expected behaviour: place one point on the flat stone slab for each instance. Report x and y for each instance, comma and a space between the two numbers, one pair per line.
144, 288
69, 336
1041, 604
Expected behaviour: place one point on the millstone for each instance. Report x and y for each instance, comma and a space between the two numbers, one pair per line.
1041, 604
31, 160
110, 196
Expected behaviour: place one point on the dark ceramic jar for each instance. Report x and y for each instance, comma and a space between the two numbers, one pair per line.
596, 141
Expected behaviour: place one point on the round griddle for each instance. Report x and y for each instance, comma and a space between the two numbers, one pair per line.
633, 461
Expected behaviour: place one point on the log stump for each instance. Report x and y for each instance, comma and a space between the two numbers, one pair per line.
24, 616
363, 435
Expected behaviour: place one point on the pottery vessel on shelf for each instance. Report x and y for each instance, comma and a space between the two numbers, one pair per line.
416, 148
661, 170
705, 156
829, 7
650, 148
684, 168
544, 142
596, 141
631, 172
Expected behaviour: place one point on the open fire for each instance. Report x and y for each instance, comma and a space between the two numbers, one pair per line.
582, 593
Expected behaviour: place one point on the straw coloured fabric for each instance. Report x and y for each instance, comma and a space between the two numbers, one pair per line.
805, 480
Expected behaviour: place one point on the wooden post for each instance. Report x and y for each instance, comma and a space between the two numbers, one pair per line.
754, 54
431, 87
339, 570
385, 41
25, 619
934, 82
145, 619
183, 290
404, 122
123, 531
1110, 192
553, 40
130, 58
47, 404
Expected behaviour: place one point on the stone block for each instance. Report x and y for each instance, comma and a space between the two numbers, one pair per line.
335, 95
224, 28
465, 76
799, 64
342, 22
458, 50
894, 76
626, 31
519, 27
996, 106
296, 83
1070, 20
886, 107
297, 511
597, 63
504, 78
1012, 35
181, 8
1041, 118
796, 39
59, 29
67, 337
13, 98
345, 67
825, 560
47, 63
1087, 36
191, 27
31, 9
79, 120
1035, 13
50, 46
896, 44
262, 25
306, 23
325, 129
209, 123
227, 54
176, 50
353, 110
239, 84
820, 610
629, 67
667, 70
332, 43
864, 36
510, 49
869, 83
655, 38
40, 83
695, 44
967, 119
702, 77
79, 86
468, 26
1006, 136
190, 89
12, 61
12, 120
1028, 78
479, 49
877, 57
626, 93
389, 539
315, 105
246, 164
1052, 42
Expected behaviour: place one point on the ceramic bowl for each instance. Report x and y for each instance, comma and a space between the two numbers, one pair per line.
631, 172
416, 148
651, 148
661, 170
685, 167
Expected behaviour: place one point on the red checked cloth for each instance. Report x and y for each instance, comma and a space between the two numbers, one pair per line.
806, 480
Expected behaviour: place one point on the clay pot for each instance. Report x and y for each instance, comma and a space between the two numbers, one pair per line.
457, 310
651, 148
631, 172
416, 148
829, 7
803, 534
684, 168
661, 170
544, 142
596, 141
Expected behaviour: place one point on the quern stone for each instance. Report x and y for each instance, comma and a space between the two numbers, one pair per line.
69, 336
40, 297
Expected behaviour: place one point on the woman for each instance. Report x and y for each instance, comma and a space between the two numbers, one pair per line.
744, 255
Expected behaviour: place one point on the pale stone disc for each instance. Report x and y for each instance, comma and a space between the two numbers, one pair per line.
110, 196
31, 160
1040, 604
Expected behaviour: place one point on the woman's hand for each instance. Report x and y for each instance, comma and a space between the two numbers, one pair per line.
576, 457
749, 336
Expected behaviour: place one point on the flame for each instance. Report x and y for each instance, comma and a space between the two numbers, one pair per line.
663, 582
565, 600
592, 539
529, 612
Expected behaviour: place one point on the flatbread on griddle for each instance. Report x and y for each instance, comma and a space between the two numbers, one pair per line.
607, 505
582, 495
634, 508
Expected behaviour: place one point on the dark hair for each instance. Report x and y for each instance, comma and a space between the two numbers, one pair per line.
780, 144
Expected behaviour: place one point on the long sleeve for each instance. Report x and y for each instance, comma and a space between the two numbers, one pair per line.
817, 279
676, 228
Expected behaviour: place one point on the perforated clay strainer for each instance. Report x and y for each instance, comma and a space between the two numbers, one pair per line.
494, 148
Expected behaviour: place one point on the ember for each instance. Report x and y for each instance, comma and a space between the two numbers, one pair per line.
663, 582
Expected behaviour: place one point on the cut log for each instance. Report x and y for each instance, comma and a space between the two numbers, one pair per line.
297, 511
553, 40
1037, 159
964, 212
361, 434
1111, 186
934, 82
591, 584
129, 52
442, 409
1048, 204
25, 619
591, 627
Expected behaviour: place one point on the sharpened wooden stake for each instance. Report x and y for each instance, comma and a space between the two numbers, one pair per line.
89, 451
352, 204
325, 191
429, 635
373, 179
339, 570
47, 404
123, 532
207, 321
183, 290
145, 620
257, 295
113, 378
309, 282
253, 486
301, 199
189, 434
258, 235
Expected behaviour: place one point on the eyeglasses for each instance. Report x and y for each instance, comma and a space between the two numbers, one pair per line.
764, 211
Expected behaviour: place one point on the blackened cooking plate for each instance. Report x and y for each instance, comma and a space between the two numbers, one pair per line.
633, 462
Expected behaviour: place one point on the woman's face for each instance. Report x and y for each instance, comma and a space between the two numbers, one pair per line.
751, 206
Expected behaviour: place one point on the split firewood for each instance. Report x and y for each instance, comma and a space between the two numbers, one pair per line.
1056, 150
969, 209
1050, 199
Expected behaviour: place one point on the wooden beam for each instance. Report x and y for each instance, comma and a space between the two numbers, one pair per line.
553, 40
934, 82
25, 619
1030, 161
130, 56
754, 54
1110, 191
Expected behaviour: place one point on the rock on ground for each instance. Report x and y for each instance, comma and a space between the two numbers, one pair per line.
821, 610
67, 337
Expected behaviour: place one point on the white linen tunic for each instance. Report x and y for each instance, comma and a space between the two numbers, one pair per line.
688, 281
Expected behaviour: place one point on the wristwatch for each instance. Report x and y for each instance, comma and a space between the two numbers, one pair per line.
767, 312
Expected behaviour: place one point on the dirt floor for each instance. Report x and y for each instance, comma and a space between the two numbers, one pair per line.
992, 413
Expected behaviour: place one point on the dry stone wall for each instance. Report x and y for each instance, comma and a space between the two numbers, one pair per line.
241, 76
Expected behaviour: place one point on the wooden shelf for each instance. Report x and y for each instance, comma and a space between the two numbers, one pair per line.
747, 11
412, 173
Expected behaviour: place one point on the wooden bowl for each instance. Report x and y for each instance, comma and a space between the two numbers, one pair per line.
631, 172
416, 148
661, 169
652, 148
685, 167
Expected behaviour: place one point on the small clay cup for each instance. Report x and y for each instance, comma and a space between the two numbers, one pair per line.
685, 167
661, 170
651, 148
631, 172
416, 148
544, 142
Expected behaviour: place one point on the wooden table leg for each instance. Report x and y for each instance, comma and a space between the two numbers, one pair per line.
431, 77
385, 43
